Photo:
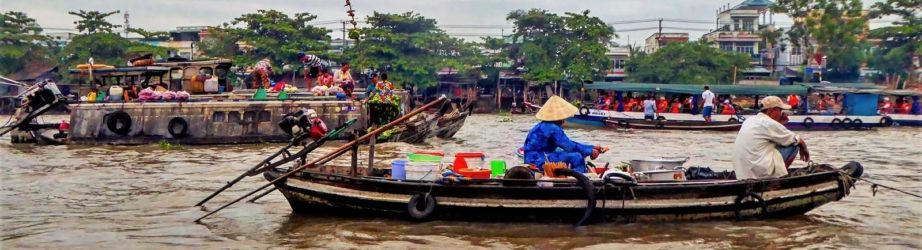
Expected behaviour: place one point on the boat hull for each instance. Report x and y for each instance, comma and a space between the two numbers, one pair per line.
597, 117
672, 125
689, 201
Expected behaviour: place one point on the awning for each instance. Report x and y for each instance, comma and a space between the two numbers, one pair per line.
693, 89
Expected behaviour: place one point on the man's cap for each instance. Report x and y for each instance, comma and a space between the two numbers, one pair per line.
773, 102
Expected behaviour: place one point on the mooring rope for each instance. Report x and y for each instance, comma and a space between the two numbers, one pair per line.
874, 186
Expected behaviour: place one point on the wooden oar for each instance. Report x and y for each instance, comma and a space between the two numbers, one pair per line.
332, 155
260, 167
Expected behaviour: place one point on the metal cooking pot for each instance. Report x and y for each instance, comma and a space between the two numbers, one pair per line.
643, 165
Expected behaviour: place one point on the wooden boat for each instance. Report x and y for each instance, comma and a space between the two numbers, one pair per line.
447, 126
416, 131
673, 124
339, 190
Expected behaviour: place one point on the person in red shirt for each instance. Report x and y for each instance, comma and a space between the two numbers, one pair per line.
676, 106
886, 107
661, 105
906, 107
793, 100
728, 108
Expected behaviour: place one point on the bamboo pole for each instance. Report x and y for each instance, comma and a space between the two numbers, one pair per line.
335, 153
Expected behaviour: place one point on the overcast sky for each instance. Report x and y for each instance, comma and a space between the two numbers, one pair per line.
168, 14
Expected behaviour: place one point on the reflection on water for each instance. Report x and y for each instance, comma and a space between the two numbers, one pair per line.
141, 196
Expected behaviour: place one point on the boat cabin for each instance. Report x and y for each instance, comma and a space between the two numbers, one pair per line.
189, 76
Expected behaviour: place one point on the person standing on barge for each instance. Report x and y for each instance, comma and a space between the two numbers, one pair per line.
547, 136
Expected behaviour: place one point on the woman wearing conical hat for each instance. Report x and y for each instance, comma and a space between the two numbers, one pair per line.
546, 136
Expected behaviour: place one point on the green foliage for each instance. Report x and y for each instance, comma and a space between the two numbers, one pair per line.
21, 42
900, 42
93, 22
554, 47
686, 63
166, 145
270, 34
150, 34
836, 27
219, 43
411, 49
104, 48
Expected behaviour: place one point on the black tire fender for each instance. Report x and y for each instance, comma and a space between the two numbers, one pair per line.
116, 118
857, 123
584, 110
660, 125
588, 187
886, 121
624, 124
184, 127
661, 118
835, 123
808, 123
733, 119
421, 206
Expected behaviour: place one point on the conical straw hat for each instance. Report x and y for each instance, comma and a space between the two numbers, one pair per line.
556, 109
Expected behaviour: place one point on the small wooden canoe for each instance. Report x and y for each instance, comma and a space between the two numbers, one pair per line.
337, 190
673, 124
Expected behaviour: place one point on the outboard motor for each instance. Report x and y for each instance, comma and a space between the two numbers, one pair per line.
299, 119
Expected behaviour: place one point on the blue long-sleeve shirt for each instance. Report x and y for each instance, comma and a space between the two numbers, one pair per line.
544, 138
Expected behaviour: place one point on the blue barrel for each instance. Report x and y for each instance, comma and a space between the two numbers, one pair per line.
398, 169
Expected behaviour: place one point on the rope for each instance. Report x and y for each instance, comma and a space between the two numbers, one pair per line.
874, 186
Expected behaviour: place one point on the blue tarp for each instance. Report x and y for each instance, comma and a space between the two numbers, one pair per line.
861, 104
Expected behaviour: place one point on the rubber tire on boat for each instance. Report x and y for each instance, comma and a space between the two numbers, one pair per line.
421, 199
624, 124
659, 125
733, 119
808, 123
853, 169
586, 184
661, 118
835, 123
886, 121
119, 117
584, 110
847, 123
181, 122
757, 197
857, 124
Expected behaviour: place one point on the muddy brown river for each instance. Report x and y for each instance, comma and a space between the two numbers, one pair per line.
117, 197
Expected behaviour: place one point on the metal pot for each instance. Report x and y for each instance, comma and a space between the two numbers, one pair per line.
661, 175
644, 165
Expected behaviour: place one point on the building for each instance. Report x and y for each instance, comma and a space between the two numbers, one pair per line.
738, 28
658, 40
618, 57
182, 41
61, 38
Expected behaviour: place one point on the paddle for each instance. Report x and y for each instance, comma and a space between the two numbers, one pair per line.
333, 154
265, 164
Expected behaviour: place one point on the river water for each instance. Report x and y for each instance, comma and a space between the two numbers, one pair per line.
108, 197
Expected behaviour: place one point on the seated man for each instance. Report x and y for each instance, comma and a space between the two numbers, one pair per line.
764, 148
546, 136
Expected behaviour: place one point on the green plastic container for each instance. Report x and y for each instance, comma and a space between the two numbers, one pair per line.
497, 168
260, 94
283, 95
423, 158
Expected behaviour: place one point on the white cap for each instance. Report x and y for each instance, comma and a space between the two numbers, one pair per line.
773, 102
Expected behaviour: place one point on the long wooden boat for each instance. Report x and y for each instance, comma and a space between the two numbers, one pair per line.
673, 124
340, 190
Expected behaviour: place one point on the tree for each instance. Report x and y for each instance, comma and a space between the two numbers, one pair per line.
21, 42
219, 43
554, 47
898, 43
411, 49
686, 63
836, 28
104, 48
93, 22
149, 35
270, 34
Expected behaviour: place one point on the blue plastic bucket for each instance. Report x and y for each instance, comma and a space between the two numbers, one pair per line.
398, 169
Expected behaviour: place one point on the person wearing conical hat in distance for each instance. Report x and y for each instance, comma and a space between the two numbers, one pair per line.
545, 137
764, 148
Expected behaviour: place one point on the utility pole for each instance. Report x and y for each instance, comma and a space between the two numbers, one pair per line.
127, 25
345, 42
659, 35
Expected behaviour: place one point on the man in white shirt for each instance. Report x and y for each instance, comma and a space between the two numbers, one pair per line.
764, 148
708, 99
